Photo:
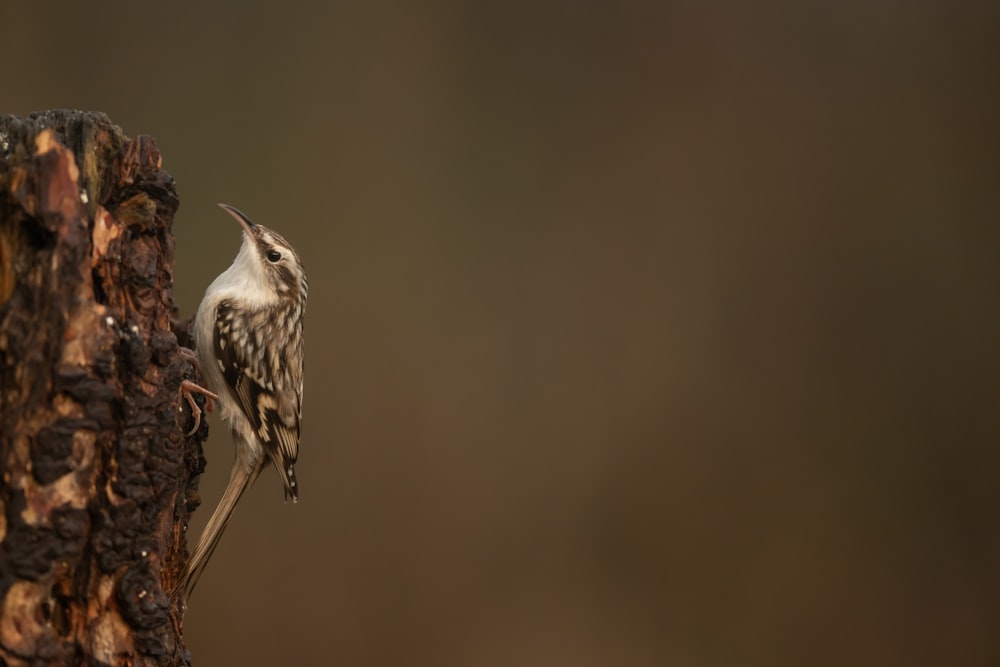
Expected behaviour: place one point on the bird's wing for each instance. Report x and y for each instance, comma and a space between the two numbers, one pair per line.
256, 375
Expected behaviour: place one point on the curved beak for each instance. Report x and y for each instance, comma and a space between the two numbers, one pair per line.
244, 221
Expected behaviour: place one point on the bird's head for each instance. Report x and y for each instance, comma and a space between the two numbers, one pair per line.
268, 263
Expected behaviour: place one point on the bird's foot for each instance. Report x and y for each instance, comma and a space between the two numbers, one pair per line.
188, 388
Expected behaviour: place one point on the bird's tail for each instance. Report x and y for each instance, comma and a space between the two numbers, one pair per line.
240, 479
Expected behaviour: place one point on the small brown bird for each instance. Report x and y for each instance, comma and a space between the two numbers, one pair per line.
249, 337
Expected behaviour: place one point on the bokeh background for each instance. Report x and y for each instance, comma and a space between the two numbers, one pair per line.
639, 333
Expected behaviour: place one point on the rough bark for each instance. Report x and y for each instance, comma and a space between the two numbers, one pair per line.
98, 474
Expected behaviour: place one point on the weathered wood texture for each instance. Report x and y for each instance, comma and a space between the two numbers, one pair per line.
98, 475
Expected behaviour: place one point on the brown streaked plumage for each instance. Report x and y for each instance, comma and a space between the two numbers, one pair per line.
249, 338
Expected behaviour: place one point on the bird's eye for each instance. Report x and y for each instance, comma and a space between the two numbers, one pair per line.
273, 256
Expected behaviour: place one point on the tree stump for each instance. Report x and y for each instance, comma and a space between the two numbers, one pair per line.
99, 476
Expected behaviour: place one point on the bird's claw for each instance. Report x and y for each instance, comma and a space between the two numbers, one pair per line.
187, 389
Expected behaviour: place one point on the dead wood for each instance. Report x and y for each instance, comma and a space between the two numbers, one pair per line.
98, 475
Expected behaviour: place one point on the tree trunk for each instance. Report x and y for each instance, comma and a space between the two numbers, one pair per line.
98, 474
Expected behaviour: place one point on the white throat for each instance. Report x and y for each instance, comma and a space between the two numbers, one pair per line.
245, 278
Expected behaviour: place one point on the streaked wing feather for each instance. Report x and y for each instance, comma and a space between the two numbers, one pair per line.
273, 414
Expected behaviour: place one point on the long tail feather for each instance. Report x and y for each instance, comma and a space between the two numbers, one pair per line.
240, 479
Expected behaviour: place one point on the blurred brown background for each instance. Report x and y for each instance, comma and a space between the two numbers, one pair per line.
654, 334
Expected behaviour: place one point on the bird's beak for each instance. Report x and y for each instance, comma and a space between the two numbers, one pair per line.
244, 221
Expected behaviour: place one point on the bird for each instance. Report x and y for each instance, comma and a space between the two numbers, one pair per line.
248, 333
